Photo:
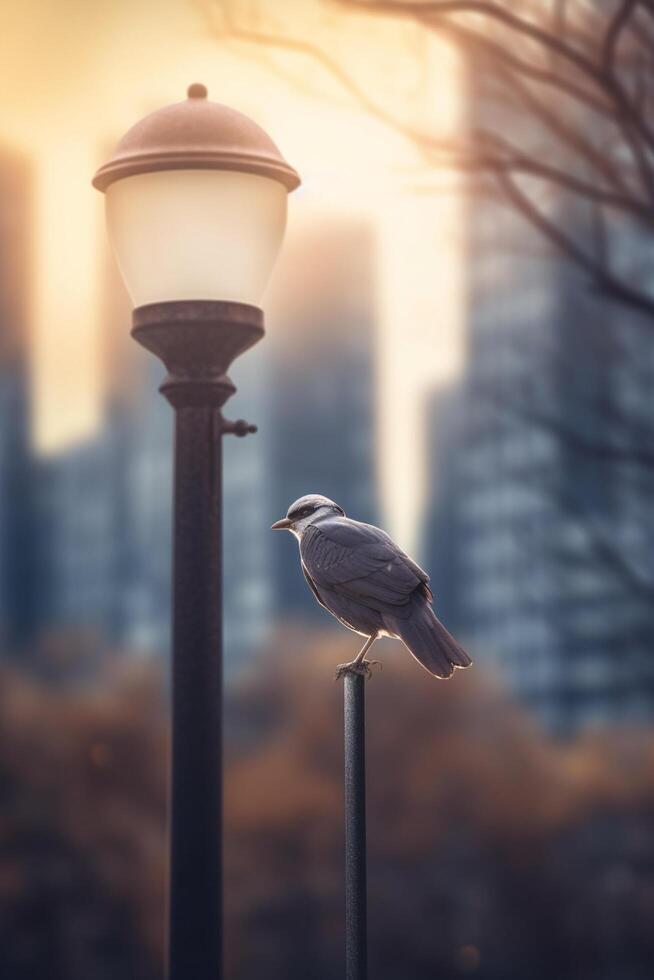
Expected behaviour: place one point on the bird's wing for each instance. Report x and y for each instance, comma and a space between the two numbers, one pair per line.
312, 586
361, 562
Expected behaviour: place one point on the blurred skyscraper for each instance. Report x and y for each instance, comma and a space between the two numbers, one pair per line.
538, 537
19, 542
320, 427
247, 584
141, 427
105, 505
79, 540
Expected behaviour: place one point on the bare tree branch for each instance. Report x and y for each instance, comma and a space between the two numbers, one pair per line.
486, 8
603, 280
597, 535
516, 164
615, 28
559, 81
608, 179
568, 434
333, 68
503, 55
582, 84
571, 138
556, 46
605, 547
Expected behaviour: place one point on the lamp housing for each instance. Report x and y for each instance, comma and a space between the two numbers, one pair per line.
196, 197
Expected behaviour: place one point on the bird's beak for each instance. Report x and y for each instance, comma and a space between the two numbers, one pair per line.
282, 525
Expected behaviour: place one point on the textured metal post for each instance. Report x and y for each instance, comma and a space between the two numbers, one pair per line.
195, 900
197, 341
356, 939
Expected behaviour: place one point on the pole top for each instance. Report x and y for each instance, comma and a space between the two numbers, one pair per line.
197, 91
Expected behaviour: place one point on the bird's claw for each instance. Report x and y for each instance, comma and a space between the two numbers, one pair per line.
363, 667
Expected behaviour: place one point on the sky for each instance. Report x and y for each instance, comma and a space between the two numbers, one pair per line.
75, 75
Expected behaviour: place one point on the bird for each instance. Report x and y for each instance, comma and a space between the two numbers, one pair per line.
359, 575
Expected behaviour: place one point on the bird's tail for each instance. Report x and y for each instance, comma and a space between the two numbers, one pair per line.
426, 638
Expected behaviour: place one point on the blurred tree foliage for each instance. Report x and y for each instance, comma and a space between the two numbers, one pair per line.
493, 852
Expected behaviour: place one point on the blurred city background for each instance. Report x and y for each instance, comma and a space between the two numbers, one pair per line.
436, 363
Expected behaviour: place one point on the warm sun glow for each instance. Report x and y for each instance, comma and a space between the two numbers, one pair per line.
68, 109
66, 362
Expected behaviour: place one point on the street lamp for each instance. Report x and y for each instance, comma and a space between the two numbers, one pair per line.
196, 210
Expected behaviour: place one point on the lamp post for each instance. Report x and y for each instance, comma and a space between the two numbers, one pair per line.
196, 210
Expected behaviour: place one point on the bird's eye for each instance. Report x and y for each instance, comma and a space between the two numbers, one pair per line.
302, 512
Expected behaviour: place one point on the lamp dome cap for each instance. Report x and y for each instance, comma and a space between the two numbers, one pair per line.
196, 134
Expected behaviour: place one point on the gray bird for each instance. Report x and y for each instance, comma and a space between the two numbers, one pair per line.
359, 575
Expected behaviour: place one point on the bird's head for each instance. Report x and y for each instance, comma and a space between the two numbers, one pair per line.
306, 511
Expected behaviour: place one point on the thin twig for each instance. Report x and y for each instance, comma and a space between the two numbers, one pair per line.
615, 28
603, 280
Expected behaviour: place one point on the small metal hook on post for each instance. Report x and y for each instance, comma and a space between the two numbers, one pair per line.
238, 428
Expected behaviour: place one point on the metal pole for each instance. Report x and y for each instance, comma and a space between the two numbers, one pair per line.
197, 341
356, 939
195, 902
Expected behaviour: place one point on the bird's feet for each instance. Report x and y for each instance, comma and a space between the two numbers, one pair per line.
363, 667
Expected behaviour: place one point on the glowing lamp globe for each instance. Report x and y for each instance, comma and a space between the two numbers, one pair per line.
196, 198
